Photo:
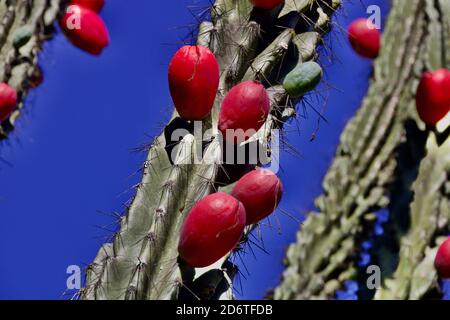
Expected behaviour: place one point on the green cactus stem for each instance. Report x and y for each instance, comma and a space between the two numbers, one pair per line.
142, 261
24, 27
386, 159
429, 214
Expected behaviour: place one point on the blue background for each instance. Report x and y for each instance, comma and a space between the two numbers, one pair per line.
70, 163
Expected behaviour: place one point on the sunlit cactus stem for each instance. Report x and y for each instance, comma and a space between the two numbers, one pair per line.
249, 44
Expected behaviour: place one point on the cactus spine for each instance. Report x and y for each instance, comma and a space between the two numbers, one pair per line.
386, 159
141, 262
24, 26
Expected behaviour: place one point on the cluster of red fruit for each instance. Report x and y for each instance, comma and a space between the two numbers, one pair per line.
84, 27
433, 93
215, 225
194, 81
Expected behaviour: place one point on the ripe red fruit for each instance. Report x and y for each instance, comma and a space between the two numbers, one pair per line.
365, 38
442, 260
85, 29
245, 107
8, 101
213, 228
433, 96
94, 5
260, 192
267, 4
193, 81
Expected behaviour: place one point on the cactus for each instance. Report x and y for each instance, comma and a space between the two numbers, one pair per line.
429, 213
249, 44
387, 159
24, 27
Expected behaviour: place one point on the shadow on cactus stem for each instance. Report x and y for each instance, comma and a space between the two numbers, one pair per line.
385, 251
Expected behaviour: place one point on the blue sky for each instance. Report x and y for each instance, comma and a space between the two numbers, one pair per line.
71, 161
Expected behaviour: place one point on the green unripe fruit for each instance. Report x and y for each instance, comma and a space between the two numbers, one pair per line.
22, 36
304, 78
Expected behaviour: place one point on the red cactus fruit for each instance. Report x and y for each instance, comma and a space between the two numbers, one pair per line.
442, 260
433, 96
365, 38
245, 107
94, 5
193, 81
213, 228
266, 4
85, 29
8, 101
260, 192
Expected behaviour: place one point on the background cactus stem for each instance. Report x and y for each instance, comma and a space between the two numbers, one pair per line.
24, 27
387, 159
